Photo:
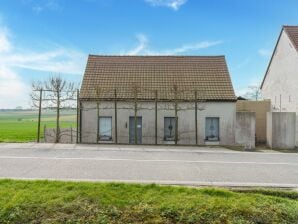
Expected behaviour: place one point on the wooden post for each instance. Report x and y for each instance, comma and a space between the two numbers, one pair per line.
135, 124
97, 108
156, 117
176, 116
44, 133
39, 115
80, 132
196, 115
280, 103
78, 115
71, 134
116, 129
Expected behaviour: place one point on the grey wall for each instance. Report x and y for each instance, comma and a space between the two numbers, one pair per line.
67, 135
245, 129
281, 129
226, 111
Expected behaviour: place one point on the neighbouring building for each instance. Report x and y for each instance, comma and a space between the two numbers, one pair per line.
280, 83
184, 100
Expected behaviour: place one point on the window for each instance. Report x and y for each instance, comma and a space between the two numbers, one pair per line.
105, 128
212, 129
169, 129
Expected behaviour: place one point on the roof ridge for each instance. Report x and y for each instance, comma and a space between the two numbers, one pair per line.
290, 26
140, 56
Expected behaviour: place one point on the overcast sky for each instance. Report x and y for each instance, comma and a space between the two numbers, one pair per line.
42, 37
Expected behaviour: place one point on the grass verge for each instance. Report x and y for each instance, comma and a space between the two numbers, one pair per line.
71, 202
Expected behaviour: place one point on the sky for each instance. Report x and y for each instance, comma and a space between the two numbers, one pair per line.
39, 38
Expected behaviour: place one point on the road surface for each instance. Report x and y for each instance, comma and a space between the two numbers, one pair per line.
149, 164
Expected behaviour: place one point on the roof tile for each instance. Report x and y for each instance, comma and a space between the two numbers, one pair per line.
208, 75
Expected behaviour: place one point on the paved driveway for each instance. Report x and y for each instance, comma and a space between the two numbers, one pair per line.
144, 164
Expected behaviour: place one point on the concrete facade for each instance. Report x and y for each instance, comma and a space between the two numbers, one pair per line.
225, 111
260, 108
245, 129
281, 129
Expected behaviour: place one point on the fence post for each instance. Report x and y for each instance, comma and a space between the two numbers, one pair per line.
71, 134
116, 120
156, 117
44, 133
78, 114
39, 115
135, 117
176, 116
97, 107
196, 115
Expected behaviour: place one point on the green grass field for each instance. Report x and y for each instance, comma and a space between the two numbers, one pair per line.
70, 202
21, 126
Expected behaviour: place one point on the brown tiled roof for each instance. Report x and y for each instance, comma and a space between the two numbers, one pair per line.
292, 32
168, 75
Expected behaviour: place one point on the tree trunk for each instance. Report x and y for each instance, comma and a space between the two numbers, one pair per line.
58, 118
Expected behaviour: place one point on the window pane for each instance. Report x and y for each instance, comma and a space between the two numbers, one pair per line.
105, 128
169, 128
212, 128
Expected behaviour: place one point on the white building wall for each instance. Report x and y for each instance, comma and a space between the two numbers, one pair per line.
281, 83
226, 111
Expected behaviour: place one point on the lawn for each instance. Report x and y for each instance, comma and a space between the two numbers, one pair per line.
21, 126
71, 202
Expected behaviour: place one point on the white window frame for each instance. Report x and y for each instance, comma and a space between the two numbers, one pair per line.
210, 138
108, 133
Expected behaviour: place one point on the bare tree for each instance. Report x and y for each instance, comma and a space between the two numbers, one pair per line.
253, 92
57, 93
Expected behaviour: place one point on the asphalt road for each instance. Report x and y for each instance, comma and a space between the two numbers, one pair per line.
149, 164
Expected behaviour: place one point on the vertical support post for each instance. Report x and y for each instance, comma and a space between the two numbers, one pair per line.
44, 133
135, 117
39, 115
280, 103
176, 116
156, 117
116, 129
97, 108
80, 132
71, 138
78, 115
196, 115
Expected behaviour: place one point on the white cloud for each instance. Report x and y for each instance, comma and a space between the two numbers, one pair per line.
13, 90
173, 4
265, 52
43, 5
4, 43
142, 47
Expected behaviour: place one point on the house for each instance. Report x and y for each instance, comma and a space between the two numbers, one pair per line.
186, 100
280, 83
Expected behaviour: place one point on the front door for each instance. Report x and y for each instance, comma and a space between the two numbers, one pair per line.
132, 130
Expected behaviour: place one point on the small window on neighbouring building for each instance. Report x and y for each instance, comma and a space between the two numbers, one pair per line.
212, 129
169, 128
105, 128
